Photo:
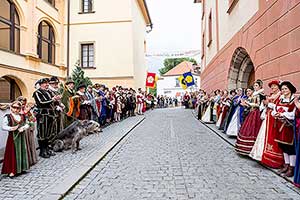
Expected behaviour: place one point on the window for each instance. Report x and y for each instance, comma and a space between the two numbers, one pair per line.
209, 29
87, 6
9, 90
46, 42
177, 82
87, 55
52, 2
9, 26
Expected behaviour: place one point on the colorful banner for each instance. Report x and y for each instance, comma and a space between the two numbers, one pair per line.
189, 79
150, 80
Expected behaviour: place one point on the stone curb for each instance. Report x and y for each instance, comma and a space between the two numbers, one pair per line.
76, 174
227, 140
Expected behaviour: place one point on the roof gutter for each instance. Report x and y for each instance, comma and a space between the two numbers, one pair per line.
148, 13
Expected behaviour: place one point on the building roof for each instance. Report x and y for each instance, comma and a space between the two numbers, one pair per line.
180, 69
145, 12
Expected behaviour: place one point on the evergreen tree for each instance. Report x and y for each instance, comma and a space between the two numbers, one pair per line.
78, 76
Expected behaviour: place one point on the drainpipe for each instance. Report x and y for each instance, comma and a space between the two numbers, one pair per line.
68, 39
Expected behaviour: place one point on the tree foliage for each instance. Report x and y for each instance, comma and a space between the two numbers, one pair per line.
170, 63
78, 76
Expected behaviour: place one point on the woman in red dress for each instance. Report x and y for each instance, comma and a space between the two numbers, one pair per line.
15, 158
272, 154
250, 128
284, 114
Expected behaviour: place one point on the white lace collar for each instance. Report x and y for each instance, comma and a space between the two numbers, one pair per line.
287, 100
80, 93
258, 92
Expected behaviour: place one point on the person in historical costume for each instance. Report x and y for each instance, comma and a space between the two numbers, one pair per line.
133, 102
26, 110
249, 130
207, 116
297, 142
221, 107
103, 105
139, 99
236, 119
200, 101
284, 113
68, 101
46, 117
59, 106
216, 105
229, 107
272, 154
85, 109
15, 157
186, 99
92, 99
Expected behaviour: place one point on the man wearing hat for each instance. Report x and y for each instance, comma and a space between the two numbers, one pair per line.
68, 101
59, 106
46, 117
84, 103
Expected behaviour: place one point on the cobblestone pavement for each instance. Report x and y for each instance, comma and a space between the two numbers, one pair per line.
49, 172
173, 156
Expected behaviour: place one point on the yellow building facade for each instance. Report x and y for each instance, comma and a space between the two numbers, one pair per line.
41, 38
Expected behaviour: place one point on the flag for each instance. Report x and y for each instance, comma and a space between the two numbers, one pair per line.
151, 79
182, 82
189, 79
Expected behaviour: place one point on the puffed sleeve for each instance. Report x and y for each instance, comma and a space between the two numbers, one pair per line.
290, 115
5, 124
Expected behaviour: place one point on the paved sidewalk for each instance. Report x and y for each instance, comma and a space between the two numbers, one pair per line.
52, 178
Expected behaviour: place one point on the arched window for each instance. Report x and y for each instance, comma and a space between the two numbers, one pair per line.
9, 90
46, 42
9, 26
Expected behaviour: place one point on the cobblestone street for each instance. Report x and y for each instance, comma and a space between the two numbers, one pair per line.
44, 178
173, 156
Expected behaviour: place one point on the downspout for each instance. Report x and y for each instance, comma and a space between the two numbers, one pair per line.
68, 39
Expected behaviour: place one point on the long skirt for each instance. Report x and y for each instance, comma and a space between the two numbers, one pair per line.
31, 148
207, 115
15, 156
223, 117
297, 145
218, 124
234, 125
248, 133
258, 148
272, 155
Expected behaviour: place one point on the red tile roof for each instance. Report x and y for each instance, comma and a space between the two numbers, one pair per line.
180, 69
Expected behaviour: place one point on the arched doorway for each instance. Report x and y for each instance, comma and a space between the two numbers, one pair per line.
241, 72
9, 89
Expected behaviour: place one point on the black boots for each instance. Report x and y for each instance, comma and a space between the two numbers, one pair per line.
43, 149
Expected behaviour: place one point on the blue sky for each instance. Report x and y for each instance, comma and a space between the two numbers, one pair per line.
176, 27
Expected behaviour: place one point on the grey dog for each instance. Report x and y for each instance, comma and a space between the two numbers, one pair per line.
70, 137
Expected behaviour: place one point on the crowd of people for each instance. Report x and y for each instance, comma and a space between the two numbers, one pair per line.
55, 109
266, 126
166, 102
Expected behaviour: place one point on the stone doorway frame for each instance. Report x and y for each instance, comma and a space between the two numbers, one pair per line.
240, 69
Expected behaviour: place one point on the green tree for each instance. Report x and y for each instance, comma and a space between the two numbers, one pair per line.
170, 63
78, 76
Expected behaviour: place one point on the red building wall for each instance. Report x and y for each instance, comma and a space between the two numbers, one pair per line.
272, 40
